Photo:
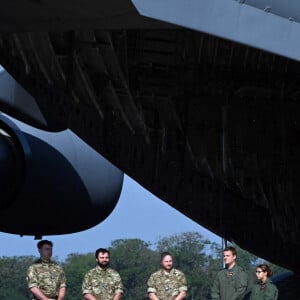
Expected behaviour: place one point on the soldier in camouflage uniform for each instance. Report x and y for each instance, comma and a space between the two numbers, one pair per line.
101, 282
167, 283
46, 279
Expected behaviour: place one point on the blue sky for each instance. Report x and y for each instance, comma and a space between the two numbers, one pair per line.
138, 214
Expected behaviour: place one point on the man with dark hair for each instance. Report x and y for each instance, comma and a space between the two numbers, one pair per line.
46, 279
167, 283
102, 282
230, 283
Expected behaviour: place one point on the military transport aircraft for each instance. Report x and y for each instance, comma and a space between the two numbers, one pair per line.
197, 100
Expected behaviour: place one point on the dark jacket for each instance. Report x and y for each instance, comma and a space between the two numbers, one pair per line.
230, 284
268, 291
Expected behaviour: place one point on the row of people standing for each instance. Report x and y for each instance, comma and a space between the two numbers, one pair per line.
232, 283
46, 279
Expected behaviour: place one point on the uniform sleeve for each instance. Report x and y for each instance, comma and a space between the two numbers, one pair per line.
182, 283
215, 290
275, 293
151, 285
62, 280
86, 286
118, 284
272, 292
253, 291
32, 279
241, 285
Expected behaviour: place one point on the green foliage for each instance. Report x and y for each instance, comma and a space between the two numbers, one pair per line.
135, 260
75, 267
13, 277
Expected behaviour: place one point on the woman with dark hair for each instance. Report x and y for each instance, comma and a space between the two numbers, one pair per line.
264, 289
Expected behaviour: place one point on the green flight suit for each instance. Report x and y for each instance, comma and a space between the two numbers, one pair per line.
267, 291
230, 284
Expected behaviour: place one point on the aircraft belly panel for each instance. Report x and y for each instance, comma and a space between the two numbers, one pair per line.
289, 9
230, 20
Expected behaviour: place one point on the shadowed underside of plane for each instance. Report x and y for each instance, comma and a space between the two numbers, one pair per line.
52, 182
209, 125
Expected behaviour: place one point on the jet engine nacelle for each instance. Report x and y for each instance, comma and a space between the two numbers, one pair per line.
52, 183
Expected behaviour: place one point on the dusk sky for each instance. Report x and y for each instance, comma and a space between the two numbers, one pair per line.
138, 214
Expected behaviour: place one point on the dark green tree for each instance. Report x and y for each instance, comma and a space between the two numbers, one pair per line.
75, 266
13, 277
135, 261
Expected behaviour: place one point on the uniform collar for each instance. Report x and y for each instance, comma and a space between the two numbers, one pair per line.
40, 261
99, 270
167, 274
230, 270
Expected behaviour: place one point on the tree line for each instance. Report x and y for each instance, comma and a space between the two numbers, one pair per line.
135, 260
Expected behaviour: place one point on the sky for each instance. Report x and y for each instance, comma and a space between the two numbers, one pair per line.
138, 214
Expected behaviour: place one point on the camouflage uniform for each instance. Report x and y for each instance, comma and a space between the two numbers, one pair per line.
47, 276
167, 286
268, 291
103, 284
230, 284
